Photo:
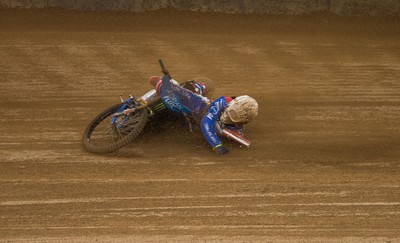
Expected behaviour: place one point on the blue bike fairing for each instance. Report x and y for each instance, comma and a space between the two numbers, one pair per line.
182, 100
208, 122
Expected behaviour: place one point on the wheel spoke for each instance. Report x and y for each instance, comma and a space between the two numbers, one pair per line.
104, 134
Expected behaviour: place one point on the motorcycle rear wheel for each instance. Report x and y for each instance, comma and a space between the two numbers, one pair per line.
102, 136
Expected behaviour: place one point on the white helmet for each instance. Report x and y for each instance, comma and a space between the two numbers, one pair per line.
242, 109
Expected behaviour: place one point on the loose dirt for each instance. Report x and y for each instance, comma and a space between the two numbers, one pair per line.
324, 161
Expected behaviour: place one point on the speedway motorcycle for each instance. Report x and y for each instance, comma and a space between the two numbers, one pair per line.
120, 124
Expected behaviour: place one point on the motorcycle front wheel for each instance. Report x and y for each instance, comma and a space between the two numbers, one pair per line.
103, 135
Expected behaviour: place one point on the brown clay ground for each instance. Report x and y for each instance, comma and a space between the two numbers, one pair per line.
323, 166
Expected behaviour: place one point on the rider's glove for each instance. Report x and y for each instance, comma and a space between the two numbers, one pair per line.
220, 150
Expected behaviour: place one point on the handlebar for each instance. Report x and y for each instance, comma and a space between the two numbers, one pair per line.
163, 69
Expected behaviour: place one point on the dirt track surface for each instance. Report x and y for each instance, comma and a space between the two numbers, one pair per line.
324, 161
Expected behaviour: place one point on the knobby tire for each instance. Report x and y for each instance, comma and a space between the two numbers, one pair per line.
114, 145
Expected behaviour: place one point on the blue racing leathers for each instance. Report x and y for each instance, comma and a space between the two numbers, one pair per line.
194, 106
210, 118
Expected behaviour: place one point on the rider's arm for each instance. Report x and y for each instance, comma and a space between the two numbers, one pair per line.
208, 122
